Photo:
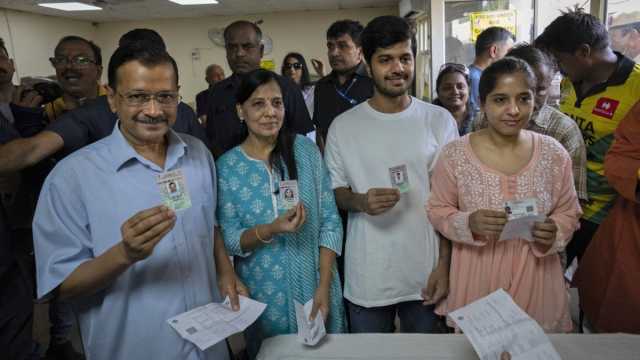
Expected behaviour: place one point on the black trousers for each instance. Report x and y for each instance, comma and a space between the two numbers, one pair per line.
16, 314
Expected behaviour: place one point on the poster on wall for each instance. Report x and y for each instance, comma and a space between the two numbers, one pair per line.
485, 19
268, 64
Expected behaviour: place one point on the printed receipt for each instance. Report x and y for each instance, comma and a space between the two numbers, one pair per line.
209, 324
495, 324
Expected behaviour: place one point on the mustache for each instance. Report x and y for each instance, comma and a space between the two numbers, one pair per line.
144, 119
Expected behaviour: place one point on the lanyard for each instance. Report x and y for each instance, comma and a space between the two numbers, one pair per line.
343, 94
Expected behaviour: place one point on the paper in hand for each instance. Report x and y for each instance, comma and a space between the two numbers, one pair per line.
522, 215
495, 324
209, 324
309, 332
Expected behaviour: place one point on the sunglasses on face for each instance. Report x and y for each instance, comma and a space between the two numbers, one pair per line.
290, 66
454, 66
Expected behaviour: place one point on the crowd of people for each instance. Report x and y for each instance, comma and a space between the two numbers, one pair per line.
121, 207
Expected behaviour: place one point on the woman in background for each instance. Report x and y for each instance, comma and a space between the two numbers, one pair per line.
295, 68
452, 86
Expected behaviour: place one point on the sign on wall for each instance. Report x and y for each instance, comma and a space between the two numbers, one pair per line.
485, 19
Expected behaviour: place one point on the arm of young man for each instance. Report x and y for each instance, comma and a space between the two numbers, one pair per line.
22, 153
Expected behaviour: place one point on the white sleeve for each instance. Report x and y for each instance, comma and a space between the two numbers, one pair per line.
446, 132
333, 159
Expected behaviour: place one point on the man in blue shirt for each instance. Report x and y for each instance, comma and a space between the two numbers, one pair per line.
492, 44
102, 238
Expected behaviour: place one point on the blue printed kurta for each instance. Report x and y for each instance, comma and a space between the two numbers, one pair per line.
288, 268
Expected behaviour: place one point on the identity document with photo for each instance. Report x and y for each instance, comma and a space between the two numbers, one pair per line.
173, 190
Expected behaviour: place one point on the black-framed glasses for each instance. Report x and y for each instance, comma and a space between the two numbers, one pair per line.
455, 66
290, 66
140, 99
77, 61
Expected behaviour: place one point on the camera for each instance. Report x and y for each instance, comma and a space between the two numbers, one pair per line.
45, 87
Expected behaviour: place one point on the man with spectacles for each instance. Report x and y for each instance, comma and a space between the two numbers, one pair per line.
78, 65
244, 50
132, 265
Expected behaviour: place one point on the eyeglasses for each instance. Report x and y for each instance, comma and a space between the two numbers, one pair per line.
165, 99
77, 61
456, 67
290, 66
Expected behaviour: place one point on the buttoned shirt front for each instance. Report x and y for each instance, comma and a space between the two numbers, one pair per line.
83, 204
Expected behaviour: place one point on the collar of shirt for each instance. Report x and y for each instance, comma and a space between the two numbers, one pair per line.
122, 152
361, 71
624, 67
58, 107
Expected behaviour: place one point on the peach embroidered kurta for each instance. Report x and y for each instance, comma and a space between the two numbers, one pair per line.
462, 184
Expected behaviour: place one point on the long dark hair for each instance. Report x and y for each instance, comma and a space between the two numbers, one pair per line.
505, 66
305, 79
283, 151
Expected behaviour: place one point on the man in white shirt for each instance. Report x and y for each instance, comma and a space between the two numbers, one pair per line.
380, 154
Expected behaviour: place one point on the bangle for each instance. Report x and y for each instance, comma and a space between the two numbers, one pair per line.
259, 238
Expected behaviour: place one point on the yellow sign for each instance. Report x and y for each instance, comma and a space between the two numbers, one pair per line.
268, 64
485, 19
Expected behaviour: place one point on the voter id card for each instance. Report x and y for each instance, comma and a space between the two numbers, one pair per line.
399, 178
173, 190
288, 194
516, 209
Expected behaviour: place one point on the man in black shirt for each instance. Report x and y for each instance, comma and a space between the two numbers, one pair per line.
244, 51
348, 84
213, 75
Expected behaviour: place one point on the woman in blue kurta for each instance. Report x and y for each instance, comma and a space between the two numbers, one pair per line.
282, 255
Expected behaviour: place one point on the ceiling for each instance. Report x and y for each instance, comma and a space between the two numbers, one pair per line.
122, 10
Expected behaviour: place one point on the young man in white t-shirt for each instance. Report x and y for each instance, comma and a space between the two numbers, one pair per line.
395, 262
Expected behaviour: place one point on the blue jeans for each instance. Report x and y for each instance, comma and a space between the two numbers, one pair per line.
61, 318
414, 318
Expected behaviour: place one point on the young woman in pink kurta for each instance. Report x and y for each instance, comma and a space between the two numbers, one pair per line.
474, 177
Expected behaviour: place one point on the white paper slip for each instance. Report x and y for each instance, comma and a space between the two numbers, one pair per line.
209, 324
309, 332
495, 324
520, 228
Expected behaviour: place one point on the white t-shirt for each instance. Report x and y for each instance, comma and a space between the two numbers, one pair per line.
388, 257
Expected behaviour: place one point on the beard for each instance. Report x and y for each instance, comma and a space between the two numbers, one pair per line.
393, 92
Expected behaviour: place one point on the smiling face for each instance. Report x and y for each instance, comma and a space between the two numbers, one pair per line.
392, 69
263, 111
145, 121
509, 105
453, 91
79, 80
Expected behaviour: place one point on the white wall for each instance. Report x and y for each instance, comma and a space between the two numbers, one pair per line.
30, 39
303, 32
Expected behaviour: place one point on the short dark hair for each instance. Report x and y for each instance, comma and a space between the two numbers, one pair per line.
3, 47
571, 30
384, 32
346, 27
285, 141
305, 79
490, 36
240, 24
97, 53
505, 66
147, 56
142, 36
532, 55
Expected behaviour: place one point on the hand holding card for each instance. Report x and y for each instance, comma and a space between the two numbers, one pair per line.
378, 200
290, 221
